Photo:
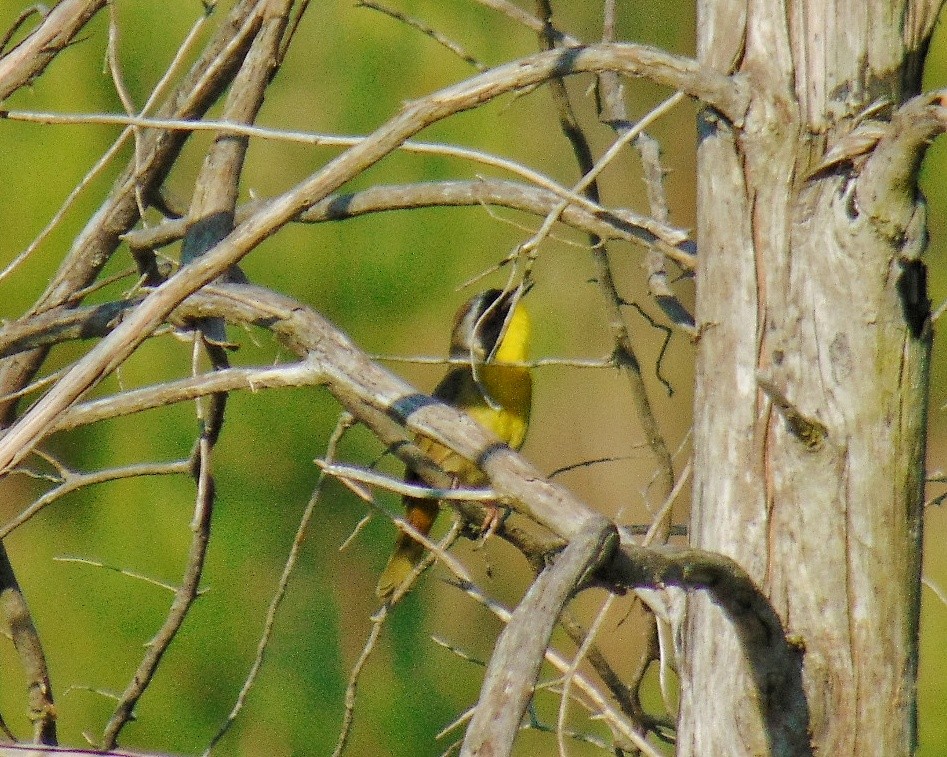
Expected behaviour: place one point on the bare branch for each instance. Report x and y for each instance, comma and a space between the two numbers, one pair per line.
93, 247
530, 21
425, 29
18, 620
344, 424
29, 59
184, 598
121, 571
518, 654
73, 481
114, 349
607, 223
626, 735
775, 660
377, 397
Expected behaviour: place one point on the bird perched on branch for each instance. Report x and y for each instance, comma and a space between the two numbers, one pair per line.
491, 332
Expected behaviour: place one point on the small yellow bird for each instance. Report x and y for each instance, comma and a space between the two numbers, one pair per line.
493, 392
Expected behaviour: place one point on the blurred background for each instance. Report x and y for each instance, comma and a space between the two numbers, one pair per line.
392, 282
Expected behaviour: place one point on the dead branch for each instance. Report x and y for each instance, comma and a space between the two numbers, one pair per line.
636, 60
774, 659
19, 622
29, 59
518, 654
608, 223
93, 247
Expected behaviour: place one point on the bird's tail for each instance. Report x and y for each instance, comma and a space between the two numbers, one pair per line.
421, 514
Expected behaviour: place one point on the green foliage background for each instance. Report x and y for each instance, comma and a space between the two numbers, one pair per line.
391, 281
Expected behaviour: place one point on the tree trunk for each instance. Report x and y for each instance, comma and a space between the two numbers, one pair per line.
810, 404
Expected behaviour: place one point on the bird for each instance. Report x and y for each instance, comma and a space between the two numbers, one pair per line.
491, 332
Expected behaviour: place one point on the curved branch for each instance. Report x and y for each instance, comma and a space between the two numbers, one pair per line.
519, 652
613, 223
775, 661
886, 188
192, 387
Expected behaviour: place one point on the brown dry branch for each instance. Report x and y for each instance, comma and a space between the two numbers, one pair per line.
211, 214
208, 77
624, 349
29, 59
519, 652
613, 111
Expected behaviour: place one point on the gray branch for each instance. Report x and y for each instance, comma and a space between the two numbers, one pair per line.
519, 652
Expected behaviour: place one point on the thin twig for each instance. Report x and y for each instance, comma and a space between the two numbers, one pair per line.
307, 138
73, 481
122, 571
425, 29
351, 689
405, 489
438, 551
25, 14
569, 675
534, 23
